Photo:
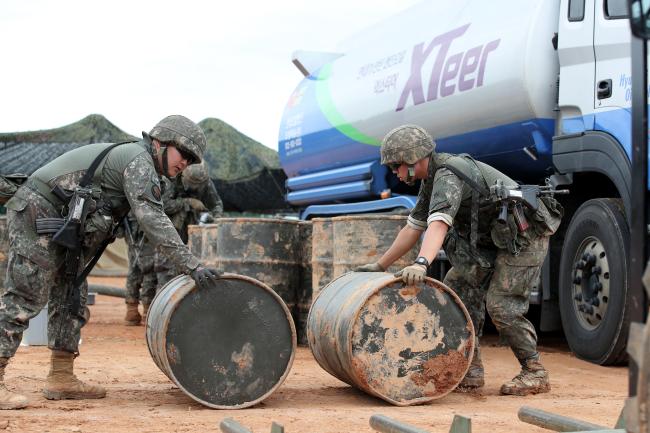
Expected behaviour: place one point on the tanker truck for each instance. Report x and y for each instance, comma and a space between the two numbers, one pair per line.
539, 89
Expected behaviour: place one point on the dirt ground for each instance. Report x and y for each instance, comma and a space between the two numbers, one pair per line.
142, 399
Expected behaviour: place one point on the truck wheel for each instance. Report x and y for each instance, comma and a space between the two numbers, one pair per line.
594, 301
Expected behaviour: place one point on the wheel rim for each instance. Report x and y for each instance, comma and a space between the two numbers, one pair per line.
590, 286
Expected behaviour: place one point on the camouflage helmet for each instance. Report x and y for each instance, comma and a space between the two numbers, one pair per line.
406, 144
195, 175
182, 133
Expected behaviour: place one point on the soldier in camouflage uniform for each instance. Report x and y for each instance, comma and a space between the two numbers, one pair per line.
187, 199
127, 178
494, 265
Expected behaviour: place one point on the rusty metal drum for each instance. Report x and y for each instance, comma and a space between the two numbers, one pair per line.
227, 347
405, 344
4, 250
262, 248
305, 290
362, 239
322, 259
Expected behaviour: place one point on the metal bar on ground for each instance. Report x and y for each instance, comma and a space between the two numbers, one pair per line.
461, 424
551, 421
229, 425
383, 424
102, 289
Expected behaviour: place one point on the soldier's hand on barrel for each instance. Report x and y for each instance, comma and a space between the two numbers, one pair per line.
206, 218
195, 204
413, 274
370, 267
204, 277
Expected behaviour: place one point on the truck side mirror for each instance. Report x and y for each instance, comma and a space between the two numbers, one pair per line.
639, 12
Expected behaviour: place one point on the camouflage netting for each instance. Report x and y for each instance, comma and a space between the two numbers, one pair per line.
246, 173
25, 152
232, 155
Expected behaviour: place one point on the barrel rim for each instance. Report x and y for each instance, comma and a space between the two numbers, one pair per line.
252, 220
321, 219
294, 343
371, 217
431, 282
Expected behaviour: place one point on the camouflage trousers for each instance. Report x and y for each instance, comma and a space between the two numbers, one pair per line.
36, 276
503, 289
141, 278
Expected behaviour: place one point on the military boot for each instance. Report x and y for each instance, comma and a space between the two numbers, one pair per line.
133, 317
533, 379
145, 311
63, 384
475, 376
8, 399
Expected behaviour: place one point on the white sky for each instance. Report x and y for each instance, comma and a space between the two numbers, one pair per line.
136, 61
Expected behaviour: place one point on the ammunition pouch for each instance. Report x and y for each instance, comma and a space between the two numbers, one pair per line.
46, 226
546, 220
505, 235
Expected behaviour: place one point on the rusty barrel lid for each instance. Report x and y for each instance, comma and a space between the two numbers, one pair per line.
405, 344
227, 347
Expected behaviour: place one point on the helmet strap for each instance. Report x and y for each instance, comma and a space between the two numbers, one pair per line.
410, 176
165, 163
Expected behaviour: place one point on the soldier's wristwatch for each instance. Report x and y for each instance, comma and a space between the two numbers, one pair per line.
422, 261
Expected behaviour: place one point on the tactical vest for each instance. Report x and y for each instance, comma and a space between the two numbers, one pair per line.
68, 169
478, 177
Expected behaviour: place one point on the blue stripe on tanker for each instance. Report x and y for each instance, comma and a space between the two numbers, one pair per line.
500, 146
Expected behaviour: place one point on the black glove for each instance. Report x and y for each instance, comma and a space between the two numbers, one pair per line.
204, 277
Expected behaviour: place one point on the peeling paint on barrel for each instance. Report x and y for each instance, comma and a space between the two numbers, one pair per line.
404, 344
443, 372
243, 359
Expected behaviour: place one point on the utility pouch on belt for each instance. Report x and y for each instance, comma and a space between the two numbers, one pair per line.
69, 235
548, 217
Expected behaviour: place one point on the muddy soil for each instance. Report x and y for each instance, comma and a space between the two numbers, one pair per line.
142, 399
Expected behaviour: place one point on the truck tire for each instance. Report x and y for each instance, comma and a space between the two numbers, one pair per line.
593, 287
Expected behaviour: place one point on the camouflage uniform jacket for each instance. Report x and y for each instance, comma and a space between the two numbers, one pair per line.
125, 180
